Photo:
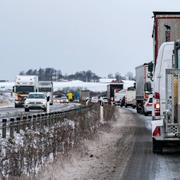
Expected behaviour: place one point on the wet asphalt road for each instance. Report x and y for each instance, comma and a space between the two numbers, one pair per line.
11, 111
142, 163
123, 152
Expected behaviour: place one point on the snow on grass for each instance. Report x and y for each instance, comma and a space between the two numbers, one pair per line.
100, 86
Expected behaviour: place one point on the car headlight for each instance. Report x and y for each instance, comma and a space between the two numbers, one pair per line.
44, 102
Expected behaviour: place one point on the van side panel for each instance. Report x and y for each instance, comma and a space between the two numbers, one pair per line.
166, 64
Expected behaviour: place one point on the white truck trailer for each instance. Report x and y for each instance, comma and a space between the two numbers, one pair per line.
24, 84
47, 88
143, 86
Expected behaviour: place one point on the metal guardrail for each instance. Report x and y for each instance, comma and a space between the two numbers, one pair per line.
11, 125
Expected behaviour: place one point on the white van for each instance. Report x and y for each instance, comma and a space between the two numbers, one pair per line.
164, 61
130, 98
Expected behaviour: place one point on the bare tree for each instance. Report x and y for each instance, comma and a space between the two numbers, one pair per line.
130, 76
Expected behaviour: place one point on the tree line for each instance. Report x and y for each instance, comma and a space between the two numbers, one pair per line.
51, 74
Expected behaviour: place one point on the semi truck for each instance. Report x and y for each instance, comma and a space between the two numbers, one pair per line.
112, 91
166, 111
84, 95
143, 86
166, 28
24, 84
47, 88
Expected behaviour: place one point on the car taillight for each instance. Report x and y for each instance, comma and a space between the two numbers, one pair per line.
156, 95
157, 106
157, 131
146, 96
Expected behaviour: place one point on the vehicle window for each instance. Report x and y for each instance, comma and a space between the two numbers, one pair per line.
24, 89
150, 100
44, 89
36, 96
130, 89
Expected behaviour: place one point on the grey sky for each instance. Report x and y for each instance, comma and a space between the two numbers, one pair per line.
106, 36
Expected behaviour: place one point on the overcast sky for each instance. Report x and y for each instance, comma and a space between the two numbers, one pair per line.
105, 36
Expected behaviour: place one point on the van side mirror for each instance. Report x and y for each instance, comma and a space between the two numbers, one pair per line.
48, 98
13, 89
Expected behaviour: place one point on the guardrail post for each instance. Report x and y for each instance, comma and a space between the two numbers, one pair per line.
4, 121
18, 124
24, 123
49, 120
52, 119
29, 121
59, 117
38, 120
45, 119
34, 122
12, 127
56, 117
42, 121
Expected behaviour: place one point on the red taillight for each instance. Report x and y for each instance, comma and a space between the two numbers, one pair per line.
156, 95
146, 96
157, 106
157, 131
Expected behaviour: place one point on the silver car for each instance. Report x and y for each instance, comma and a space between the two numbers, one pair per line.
36, 101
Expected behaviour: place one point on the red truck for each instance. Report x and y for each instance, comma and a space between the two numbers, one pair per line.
166, 28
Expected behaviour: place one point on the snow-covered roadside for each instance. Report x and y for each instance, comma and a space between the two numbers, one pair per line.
6, 100
99, 157
6, 105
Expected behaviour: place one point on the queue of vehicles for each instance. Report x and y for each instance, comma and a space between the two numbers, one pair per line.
158, 86
166, 101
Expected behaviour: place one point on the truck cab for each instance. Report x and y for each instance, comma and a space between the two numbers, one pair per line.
47, 88
23, 86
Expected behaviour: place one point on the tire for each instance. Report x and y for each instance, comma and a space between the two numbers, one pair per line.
26, 110
45, 109
125, 105
137, 110
146, 113
157, 147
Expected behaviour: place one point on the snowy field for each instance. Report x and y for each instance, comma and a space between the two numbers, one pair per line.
6, 98
92, 86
